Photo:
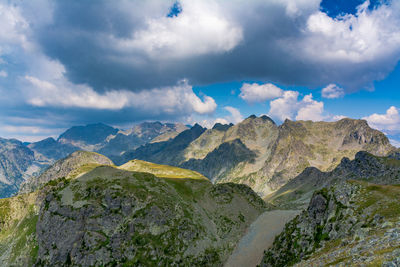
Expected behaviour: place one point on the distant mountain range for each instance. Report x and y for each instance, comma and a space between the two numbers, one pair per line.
18, 160
256, 151
260, 153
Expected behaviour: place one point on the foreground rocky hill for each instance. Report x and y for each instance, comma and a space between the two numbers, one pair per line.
353, 223
139, 214
261, 154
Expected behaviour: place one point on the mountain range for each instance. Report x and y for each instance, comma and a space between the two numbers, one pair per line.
19, 161
261, 154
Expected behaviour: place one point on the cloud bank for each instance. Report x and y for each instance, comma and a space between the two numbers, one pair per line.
125, 61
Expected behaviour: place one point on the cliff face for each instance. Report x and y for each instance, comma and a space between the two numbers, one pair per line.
351, 223
115, 216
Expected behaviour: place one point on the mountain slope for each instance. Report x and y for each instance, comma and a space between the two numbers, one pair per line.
351, 223
322, 145
221, 160
112, 216
168, 152
73, 165
146, 132
365, 166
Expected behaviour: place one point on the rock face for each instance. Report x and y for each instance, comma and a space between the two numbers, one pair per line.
75, 164
272, 155
351, 223
16, 164
117, 217
222, 159
365, 166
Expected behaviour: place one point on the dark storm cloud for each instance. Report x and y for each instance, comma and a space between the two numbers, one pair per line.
270, 50
75, 38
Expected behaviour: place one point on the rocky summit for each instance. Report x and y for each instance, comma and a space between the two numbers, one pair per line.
139, 214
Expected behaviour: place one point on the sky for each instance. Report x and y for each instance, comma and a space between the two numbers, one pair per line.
65, 63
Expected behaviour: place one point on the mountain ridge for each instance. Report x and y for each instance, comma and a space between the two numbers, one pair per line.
281, 152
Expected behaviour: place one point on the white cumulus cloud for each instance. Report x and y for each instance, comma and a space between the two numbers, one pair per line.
255, 92
289, 107
201, 28
179, 99
365, 37
234, 117
310, 109
332, 91
388, 122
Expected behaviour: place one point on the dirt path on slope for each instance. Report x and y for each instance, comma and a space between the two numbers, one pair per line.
259, 237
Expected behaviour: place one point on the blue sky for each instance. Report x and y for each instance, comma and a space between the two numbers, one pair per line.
69, 63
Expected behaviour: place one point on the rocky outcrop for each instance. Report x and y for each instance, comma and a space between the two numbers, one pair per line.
350, 223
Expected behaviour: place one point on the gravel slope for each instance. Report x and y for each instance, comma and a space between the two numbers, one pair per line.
259, 237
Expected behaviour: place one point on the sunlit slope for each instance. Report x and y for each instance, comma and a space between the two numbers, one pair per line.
159, 170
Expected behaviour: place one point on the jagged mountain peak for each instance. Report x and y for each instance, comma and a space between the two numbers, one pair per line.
197, 126
222, 127
90, 134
